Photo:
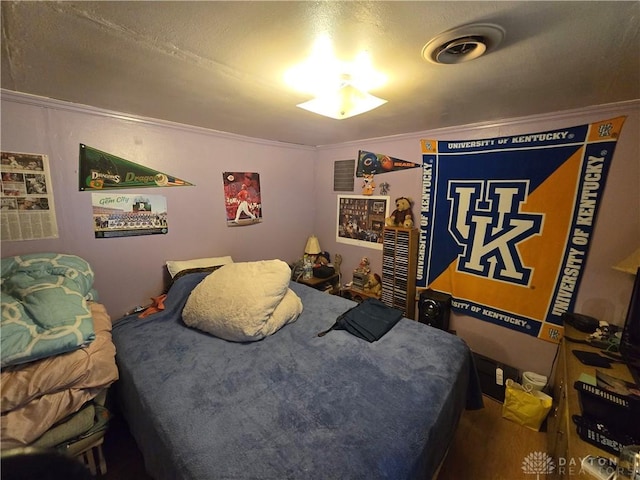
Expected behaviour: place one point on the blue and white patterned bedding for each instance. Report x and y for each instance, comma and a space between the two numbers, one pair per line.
44, 306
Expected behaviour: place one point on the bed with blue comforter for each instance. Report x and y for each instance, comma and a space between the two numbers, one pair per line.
291, 405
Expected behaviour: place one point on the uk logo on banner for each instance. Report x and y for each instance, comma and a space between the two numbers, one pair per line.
506, 222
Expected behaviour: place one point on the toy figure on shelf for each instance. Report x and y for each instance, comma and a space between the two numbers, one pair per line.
363, 267
361, 274
337, 262
402, 216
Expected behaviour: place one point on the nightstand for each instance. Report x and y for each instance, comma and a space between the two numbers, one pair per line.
356, 295
330, 284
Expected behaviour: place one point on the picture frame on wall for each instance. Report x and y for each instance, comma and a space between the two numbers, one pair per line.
360, 220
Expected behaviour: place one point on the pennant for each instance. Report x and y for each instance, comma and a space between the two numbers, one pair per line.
375, 163
506, 222
102, 171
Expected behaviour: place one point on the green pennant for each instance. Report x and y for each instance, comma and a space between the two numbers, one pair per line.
102, 171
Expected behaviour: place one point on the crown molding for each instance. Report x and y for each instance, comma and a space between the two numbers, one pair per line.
51, 103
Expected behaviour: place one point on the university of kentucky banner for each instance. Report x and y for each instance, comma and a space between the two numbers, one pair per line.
506, 222
370, 163
102, 171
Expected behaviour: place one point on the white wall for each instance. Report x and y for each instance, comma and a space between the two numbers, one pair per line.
131, 270
604, 292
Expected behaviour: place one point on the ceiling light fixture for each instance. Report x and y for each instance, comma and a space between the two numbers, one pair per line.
341, 89
346, 102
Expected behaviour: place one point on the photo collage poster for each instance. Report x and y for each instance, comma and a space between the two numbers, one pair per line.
361, 220
28, 211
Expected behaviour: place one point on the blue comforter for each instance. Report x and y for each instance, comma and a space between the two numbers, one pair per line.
44, 306
292, 405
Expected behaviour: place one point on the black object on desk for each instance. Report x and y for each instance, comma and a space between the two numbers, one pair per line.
617, 417
584, 323
593, 359
596, 433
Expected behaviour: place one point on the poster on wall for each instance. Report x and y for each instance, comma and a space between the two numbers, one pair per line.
128, 215
28, 211
506, 222
242, 198
102, 171
361, 220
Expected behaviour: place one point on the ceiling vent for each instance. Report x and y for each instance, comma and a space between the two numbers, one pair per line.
464, 43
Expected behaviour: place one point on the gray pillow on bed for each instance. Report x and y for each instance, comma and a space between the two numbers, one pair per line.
243, 301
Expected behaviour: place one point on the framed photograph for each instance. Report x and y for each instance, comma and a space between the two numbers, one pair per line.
361, 220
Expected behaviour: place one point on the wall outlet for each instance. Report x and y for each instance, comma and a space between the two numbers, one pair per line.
499, 376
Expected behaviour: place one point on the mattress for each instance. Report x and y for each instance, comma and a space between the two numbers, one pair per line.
292, 405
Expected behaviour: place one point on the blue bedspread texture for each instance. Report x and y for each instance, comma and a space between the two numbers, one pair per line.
293, 405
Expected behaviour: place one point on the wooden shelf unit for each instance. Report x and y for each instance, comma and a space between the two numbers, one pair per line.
399, 268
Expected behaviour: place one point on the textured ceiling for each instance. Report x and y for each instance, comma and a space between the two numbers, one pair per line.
220, 65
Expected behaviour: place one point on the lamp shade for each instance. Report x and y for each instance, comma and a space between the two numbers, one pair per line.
630, 264
313, 246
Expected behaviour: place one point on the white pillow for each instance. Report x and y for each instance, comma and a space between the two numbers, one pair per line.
175, 266
244, 301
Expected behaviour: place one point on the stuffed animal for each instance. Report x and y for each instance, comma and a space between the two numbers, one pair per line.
368, 185
402, 216
321, 259
373, 285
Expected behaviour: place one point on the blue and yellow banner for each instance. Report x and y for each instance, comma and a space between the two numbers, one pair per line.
506, 222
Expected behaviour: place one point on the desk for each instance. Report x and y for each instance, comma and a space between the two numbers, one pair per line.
330, 284
564, 445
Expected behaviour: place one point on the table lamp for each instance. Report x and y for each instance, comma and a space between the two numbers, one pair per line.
313, 246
